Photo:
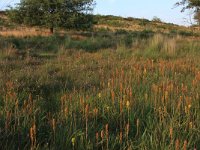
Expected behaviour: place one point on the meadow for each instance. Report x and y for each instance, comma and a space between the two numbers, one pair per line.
102, 90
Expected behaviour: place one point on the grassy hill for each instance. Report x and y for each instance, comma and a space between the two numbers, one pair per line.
105, 23
134, 24
129, 84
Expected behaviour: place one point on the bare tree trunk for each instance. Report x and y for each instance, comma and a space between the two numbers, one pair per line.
51, 30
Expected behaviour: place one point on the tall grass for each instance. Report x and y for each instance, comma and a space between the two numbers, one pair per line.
116, 98
95, 42
167, 46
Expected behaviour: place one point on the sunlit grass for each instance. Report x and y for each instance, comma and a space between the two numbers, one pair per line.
145, 96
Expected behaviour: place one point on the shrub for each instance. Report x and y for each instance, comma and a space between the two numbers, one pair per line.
121, 31
156, 19
128, 40
92, 45
186, 33
144, 22
146, 34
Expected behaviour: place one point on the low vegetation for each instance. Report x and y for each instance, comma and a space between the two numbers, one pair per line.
137, 90
127, 84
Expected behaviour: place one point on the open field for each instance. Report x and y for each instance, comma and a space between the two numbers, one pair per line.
108, 89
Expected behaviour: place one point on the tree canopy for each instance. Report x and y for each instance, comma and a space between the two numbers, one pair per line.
54, 13
191, 4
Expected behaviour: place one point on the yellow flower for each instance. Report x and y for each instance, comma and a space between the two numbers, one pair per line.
128, 104
107, 107
99, 95
73, 141
191, 125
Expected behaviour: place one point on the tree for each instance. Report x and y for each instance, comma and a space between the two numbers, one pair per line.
197, 17
191, 4
54, 13
156, 19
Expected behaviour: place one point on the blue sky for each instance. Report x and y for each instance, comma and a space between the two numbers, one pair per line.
164, 9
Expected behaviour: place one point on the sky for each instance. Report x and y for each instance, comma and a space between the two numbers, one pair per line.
163, 9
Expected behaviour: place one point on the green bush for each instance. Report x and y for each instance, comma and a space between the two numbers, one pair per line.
144, 22
128, 40
121, 31
186, 33
92, 45
146, 34
36, 44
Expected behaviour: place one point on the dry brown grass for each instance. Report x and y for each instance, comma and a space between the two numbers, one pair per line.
156, 27
10, 51
24, 31
35, 31
112, 28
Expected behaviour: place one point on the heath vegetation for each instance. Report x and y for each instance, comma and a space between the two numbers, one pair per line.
100, 92
124, 84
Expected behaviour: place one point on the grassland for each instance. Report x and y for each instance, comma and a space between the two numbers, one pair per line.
108, 89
